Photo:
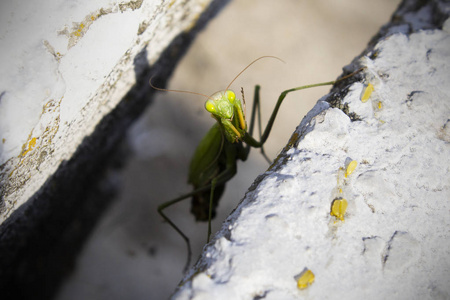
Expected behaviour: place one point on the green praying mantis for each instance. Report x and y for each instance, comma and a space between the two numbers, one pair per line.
215, 159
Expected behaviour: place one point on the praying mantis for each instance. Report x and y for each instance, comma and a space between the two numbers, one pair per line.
214, 161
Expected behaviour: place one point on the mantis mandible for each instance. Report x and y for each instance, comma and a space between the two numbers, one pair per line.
214, 161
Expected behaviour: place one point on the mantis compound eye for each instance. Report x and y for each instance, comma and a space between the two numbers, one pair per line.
210, 106
231, 96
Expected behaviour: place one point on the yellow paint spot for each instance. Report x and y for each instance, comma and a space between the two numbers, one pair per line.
350, 168
31, 145
380, 105
338, 208
305, 279
367, 92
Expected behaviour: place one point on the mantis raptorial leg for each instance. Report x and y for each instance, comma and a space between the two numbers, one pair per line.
214, 161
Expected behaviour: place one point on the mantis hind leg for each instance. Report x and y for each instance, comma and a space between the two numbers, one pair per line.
167, 219
226, 175
220, 179
211, 201
200, 203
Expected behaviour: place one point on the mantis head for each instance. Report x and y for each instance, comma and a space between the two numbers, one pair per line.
221, 104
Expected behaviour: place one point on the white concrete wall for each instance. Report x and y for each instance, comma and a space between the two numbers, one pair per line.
64, 67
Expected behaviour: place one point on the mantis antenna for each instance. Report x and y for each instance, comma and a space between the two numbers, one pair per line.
266, 56
177, 91
208, 97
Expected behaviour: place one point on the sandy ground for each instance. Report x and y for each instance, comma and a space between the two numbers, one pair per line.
132, 254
